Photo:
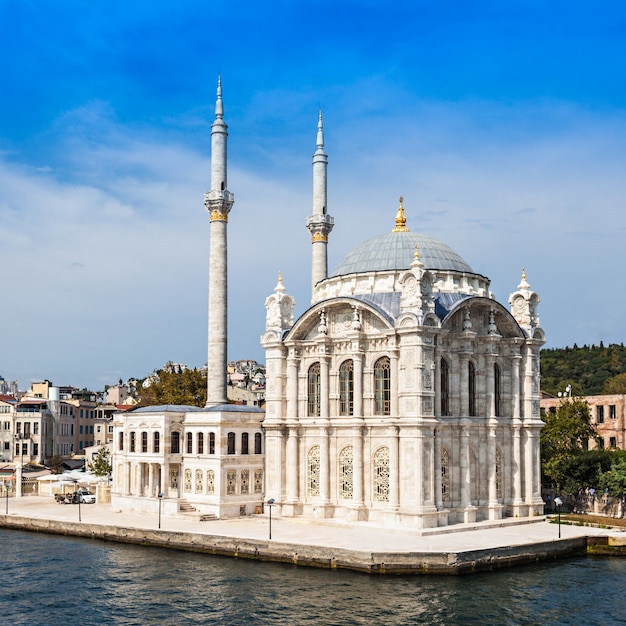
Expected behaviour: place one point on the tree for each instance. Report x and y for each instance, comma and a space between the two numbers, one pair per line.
565, 438
101, 465
615, 479
56, 464
175, 387
617, 384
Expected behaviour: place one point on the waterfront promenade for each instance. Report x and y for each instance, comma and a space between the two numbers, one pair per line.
324, 543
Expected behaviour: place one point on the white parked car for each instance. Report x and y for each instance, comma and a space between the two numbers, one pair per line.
86, 497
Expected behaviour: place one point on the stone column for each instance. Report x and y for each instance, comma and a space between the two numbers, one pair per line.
292, 465
150, 480
394, 409
358, 384
464, 384
466, 477
324, 467
394, 469
437, 469
357, 467
292, 385
127, 471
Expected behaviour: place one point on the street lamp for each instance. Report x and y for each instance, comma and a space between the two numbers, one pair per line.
161, 494
270, 503
567, 393
78, 498
7, 484
559, 503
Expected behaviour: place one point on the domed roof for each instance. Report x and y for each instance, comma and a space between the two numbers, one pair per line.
396, 251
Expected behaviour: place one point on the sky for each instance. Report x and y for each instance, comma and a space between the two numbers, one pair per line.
502, 124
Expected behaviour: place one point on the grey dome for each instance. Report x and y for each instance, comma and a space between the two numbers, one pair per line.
396, 250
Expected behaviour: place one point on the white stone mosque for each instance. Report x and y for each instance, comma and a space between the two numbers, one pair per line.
405, 395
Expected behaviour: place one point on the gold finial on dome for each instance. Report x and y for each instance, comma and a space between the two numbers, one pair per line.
523, 273
280, 276
417, 252
400, 219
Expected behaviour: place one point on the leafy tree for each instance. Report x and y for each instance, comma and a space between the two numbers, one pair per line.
564, 439
617, 384
175, 387
56, 464
101, 465
615, 479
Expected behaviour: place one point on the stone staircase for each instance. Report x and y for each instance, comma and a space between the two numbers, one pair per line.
191, 511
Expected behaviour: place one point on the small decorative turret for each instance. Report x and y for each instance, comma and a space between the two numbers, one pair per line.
523, 304
279, 308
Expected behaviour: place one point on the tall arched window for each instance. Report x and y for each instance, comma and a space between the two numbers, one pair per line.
175, 445
346, 472
144, 442
132, 441
189, 443
200, 443
258, 446
445, 475
346, 388
382, 386
211, 443
156, 442
497, 383
120, 441
444, 387
471, 387
244, 443
230, 438
313, 471
381, 475
313, 390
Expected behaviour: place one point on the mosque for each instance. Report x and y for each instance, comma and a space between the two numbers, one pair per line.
405, 395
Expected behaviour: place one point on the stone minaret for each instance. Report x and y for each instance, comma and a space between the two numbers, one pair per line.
320, 223
218, 203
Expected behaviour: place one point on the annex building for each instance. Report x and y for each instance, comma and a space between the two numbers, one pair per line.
405, 395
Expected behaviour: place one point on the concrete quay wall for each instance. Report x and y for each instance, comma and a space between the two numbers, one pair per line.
374, 562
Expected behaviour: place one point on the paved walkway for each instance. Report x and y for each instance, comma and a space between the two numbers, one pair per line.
364, 536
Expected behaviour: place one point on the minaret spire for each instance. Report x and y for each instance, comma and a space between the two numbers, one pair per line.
218, 202
319, 223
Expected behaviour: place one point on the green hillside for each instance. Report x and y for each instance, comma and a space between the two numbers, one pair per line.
587, 369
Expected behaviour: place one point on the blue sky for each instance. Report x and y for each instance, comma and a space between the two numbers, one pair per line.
503, 125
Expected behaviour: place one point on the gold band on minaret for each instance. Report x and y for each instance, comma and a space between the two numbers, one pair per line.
401, 226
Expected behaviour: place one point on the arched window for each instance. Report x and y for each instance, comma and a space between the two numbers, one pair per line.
189, 443
313, 390
381, 475
346, 388
231, 443
382, 386
231, 482
144, 442
156, 442
258, 445
313, 471
471, 387
132, 441
120, 441
211, 443
258, 481
346, 472
200, 443
497, 383
210, 481
444, 387
198, 481
445, 475
187, 485
175, 445
244, 443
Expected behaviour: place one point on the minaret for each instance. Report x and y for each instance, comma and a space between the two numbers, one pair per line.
218, 203
319, 223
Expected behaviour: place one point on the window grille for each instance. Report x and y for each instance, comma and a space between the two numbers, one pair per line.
381, 475
313, 465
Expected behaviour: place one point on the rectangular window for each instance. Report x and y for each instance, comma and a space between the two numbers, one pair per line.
18, 427
612, 412
7, 445
35, 449
231, 443
600, 443
80, 429
7, 425
600, 414
175, 445
613, 442
35, 428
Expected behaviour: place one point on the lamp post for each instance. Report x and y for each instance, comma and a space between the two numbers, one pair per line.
161, 494
567, 393
78, 498
559, 503
270, 504
7, 484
